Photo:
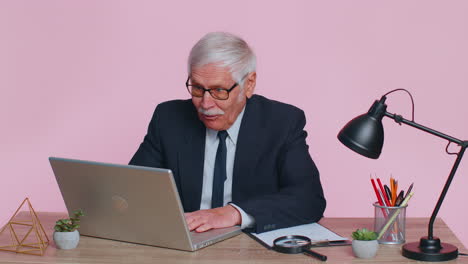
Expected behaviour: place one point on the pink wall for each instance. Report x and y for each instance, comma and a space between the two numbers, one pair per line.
81, 80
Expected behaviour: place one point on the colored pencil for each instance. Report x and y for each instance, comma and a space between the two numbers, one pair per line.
386, 200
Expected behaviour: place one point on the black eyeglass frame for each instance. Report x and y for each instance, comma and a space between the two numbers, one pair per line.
209, 90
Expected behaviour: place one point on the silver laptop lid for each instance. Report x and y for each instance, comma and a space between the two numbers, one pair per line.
123, 202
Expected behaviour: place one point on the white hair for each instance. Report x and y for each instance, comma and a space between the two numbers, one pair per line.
227, 50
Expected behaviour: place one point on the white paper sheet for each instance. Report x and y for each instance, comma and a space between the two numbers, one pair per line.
314, 231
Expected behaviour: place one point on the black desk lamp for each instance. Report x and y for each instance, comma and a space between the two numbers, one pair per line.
364, 134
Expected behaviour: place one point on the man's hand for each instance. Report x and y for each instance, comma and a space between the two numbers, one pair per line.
204, 220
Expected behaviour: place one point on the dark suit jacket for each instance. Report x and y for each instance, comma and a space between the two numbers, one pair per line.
274, 177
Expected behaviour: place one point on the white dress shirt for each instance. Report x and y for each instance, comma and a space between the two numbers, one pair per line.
211, 147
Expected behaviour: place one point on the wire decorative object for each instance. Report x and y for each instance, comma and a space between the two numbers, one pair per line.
27, 235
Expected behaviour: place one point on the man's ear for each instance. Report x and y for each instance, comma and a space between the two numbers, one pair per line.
249, 84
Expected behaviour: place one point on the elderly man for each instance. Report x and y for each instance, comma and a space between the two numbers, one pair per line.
237, 158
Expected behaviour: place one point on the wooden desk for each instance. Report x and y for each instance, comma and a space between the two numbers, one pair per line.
240, 249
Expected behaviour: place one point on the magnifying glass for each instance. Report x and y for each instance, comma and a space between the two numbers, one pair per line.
296, 244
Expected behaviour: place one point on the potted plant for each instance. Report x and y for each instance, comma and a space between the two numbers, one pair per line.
66, 235
365, 244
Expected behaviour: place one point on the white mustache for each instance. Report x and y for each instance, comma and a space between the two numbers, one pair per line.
210, 112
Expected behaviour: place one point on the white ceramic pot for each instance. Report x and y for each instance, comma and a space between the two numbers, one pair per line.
365, 249
66, 240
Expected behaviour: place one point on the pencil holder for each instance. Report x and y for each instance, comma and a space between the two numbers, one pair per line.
395, 233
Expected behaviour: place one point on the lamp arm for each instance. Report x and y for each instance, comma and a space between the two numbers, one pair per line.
444, 191
399, 119
463, 144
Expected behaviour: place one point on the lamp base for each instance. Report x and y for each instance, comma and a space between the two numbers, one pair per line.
430, 250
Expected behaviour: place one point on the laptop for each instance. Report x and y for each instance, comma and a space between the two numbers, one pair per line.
131, 204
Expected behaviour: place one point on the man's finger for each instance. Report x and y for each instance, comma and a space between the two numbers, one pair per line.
188, 215
203, 228
191, 217
189, 220
195, 223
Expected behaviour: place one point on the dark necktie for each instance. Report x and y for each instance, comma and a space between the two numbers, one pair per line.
219, 171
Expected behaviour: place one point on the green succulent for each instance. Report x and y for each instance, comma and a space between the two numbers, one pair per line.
364, 234
70, 224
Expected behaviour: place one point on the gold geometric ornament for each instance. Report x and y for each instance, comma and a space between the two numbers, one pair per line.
26, 232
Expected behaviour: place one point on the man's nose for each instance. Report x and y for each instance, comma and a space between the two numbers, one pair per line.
207, 100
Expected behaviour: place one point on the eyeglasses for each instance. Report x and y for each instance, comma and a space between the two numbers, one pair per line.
216, 93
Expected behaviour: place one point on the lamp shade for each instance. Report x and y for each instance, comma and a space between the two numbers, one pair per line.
364, 134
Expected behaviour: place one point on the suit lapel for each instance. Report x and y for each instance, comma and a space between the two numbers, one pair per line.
191, 161
247, 148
